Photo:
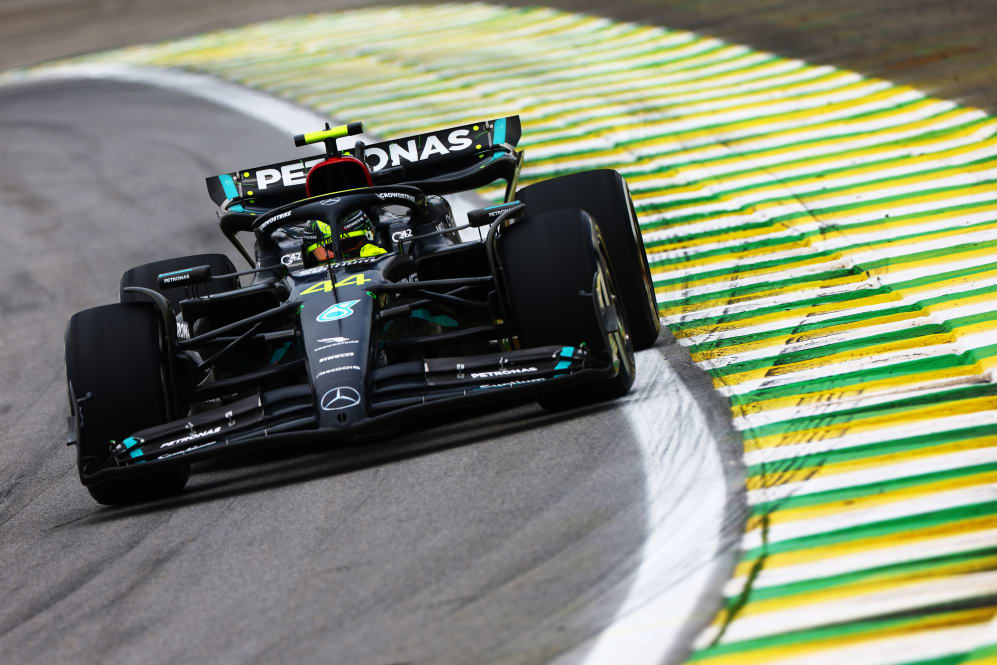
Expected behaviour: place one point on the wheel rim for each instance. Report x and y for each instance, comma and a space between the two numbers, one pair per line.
608, 297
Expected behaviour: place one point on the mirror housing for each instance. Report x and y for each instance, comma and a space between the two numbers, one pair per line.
485, 216
185, 277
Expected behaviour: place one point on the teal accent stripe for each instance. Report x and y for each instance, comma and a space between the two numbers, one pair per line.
279, 353
130, 441
135, 453
502, 205
175, 272
439, 319
229, 186
566, 352
498, 136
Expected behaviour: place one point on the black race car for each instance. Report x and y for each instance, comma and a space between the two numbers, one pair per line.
363, 309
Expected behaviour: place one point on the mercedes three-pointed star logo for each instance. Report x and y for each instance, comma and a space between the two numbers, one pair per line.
342, 397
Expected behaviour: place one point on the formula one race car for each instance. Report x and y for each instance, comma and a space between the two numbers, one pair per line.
365, 310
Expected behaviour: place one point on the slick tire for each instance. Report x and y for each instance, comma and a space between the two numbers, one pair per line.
604, 195
114, 364
549, 262
147, 276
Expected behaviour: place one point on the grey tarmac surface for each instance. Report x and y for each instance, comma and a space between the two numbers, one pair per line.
506, 539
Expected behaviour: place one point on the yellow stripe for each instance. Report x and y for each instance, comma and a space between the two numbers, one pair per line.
855, 591
885, 225
812, 336
799, 313
886, 146
720, 300
845, 506
936, 313
873, 422
786, 476
912, 536
951, 376
753, 123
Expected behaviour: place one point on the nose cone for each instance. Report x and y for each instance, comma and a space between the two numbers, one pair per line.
336, 328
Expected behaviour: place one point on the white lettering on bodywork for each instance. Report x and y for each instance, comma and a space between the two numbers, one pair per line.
502, 372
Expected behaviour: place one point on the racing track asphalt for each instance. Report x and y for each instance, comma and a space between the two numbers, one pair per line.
508, 538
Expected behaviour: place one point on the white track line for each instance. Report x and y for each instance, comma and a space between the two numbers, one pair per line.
686, 494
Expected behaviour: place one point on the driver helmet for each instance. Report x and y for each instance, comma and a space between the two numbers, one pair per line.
356, 238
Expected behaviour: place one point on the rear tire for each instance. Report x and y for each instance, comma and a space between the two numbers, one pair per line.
604, 195
147, 276
114, 353
549, 261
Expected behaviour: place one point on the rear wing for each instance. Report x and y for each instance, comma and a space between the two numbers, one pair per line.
420, 157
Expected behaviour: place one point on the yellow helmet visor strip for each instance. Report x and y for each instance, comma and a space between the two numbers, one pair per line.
369, 249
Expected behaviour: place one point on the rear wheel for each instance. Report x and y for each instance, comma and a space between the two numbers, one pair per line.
117, 386
604, 195
551, 263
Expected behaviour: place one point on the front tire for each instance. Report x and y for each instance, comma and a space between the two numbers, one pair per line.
551, 264
117, 386
604, 195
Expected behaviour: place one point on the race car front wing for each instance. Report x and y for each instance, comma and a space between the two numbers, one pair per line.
399, 393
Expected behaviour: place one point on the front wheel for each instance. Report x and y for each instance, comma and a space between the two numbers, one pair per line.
117, 386
561, 292
604, 195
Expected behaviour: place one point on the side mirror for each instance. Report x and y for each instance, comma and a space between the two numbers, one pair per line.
185, 277
485, 216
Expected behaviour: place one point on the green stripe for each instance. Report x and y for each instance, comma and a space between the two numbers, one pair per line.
802, 328
772, 243
790, 357
880, 487
797, 236
893, 370
830, 140
874, 529
739, 292
895, 407
924, 280
869, 574
727, 194
983, 652
872, 450
840, 630
828, 275
811, 210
